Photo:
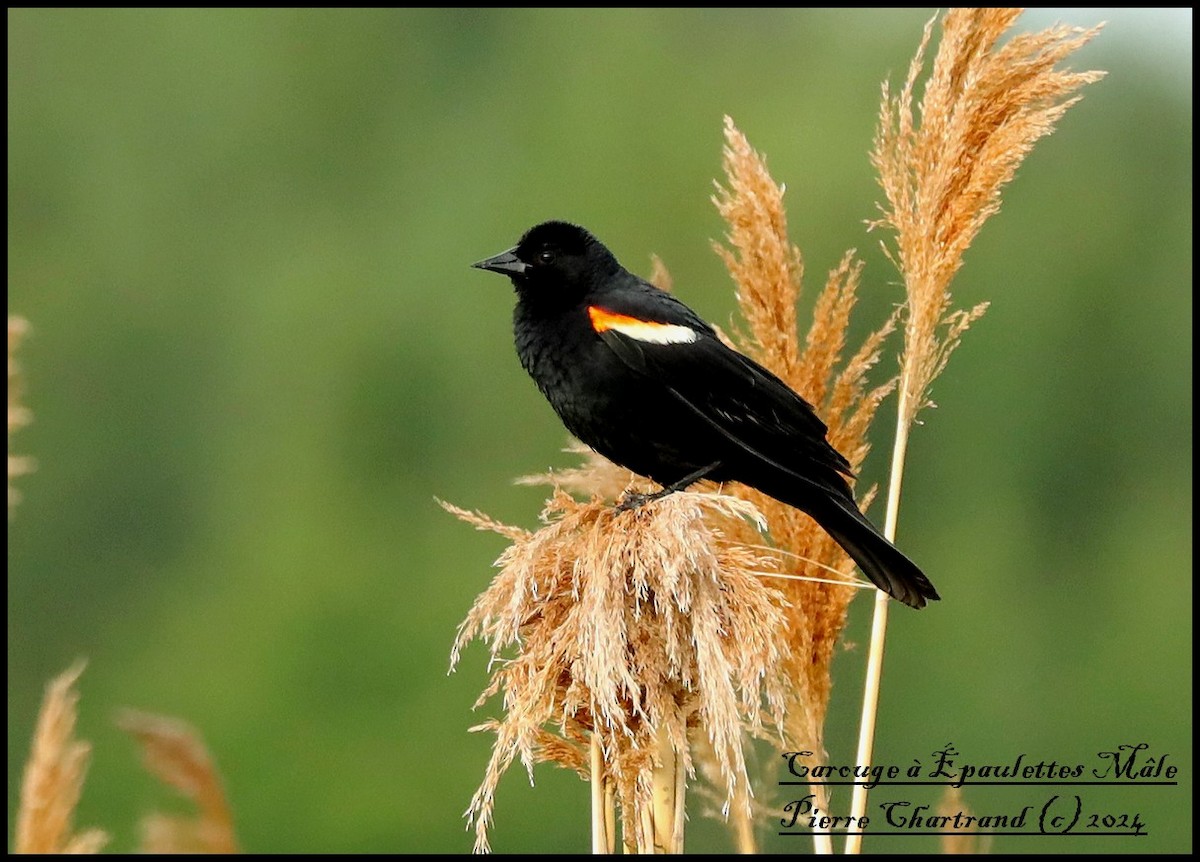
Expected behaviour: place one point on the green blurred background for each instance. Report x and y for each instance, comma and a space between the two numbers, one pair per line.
242, 239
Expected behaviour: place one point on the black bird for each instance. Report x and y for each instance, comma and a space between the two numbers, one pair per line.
638, 376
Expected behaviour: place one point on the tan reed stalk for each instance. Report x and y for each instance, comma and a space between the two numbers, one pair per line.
610, 815
599, 827
679, 815
174, 753
54, 775
984, 107
743, 829
668, 793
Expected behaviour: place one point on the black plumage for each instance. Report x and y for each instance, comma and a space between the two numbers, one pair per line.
642, 379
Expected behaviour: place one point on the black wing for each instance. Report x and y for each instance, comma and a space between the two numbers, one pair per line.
740, 399
776, 436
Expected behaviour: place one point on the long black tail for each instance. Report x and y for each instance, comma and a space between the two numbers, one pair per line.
879, 559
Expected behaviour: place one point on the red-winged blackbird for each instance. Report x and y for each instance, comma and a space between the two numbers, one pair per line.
638, 376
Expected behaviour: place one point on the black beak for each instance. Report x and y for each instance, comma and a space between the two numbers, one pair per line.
506, 263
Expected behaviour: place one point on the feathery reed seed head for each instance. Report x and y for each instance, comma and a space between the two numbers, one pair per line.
767, 270
629, 624
984, 107
54, 775
173, 751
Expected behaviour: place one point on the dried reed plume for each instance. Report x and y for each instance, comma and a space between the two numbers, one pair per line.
54, 776
174, 752
18, 415
767, 270
984, 106
635, 629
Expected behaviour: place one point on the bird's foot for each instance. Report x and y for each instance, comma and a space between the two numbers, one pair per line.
634, 500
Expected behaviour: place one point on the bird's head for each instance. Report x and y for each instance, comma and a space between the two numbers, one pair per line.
554, 262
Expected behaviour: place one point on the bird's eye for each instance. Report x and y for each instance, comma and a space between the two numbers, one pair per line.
546, 256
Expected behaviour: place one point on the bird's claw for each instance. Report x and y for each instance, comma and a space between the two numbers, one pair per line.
633, 500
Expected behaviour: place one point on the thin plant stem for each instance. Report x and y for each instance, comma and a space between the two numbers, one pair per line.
680, 808
610, 815
822, 841
866, 730
599, 827
667, 791
646, 833
743, 829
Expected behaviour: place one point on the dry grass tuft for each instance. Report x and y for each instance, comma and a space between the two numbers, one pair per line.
54, 776
984, 107
768, 270
629, 626
18, 415
595, 476
174, 752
